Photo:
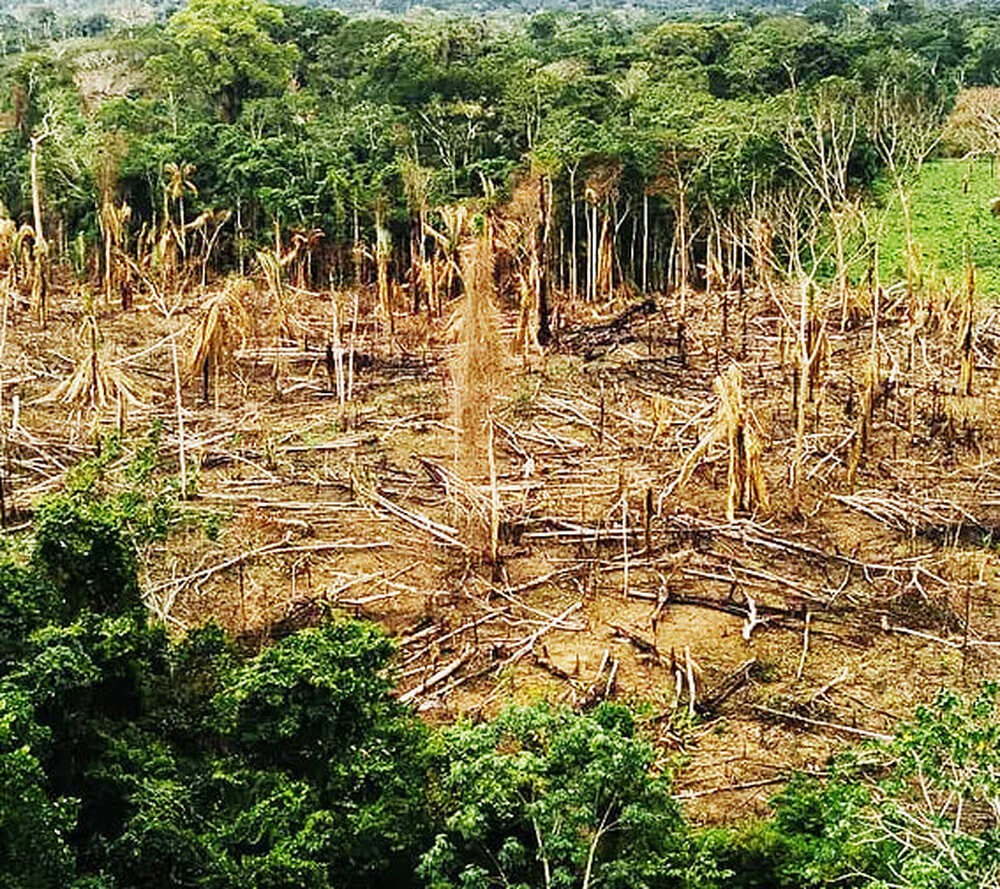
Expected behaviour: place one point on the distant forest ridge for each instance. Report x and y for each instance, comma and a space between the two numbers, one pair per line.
59, 19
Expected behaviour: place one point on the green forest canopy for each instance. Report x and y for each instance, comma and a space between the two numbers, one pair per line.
304, 118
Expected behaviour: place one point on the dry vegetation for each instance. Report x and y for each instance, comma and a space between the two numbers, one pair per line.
759, 512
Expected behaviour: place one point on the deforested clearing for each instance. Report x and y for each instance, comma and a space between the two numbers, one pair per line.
592, 359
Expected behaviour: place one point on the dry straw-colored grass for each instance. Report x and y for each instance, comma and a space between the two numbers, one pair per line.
477, 363
737, 426
225, 324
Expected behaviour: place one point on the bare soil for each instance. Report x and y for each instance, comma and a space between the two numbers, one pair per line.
363, 509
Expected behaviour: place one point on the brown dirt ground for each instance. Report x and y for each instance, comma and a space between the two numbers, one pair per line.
287, 468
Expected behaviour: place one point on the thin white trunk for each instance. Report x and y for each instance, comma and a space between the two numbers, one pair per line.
645, 242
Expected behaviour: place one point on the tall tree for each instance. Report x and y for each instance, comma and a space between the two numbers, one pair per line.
224, 49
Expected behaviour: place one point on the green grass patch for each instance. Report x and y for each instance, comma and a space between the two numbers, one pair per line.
947, 222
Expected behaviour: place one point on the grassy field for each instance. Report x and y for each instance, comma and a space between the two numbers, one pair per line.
947, 222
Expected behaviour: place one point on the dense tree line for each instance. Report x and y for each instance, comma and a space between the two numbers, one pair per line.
128, 759
660, 150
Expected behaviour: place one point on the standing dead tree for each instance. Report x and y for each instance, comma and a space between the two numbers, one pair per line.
40, 247
973, 127
383, 252
819, 139
209, 225
601, 192
476, 369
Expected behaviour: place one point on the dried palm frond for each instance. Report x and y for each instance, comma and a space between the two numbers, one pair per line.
308, 238
737, 426
113, 218
95, 382
456, 222
177, 180
8, 235
304, 244
23, 243
271, 265
478, 362
225, 323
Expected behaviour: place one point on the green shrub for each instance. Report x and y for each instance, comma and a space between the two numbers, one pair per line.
87, 538
545, 797
34, 828
27, 602
319, 707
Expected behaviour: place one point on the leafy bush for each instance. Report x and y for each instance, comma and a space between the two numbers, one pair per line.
318, 706
546, 797
27, 601
87, 537
34, 853
920, 811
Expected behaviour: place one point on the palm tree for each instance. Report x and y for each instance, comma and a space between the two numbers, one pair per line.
176, 185
304, 244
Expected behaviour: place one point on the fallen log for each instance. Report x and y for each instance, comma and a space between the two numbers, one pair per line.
820, 723
726, 689
438, 677
643, 645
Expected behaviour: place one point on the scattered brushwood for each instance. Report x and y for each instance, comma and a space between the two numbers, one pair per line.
603, 685
925, 515
594, 339
95, 382
476, 499
224, 326
737, 426
731, 684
